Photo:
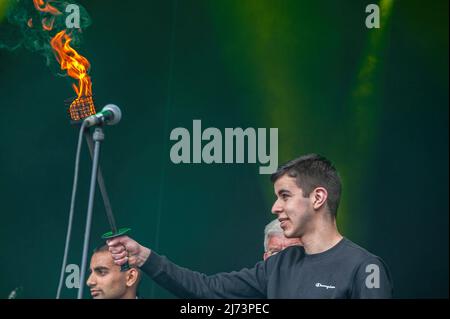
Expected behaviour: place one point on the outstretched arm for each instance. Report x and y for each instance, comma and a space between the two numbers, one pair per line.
185, 283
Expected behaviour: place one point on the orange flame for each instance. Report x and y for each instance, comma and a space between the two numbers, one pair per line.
47, 24
42, 6
76, 65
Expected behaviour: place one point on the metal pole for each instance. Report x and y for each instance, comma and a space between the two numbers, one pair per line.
98, 138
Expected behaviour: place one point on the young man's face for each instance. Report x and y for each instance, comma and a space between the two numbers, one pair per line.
106, 280
294, 211
277, 242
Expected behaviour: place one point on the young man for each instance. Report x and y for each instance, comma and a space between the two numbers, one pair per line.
106, 281
275, 241
308, 191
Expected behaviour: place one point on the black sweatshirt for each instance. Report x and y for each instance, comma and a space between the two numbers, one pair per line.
344, 271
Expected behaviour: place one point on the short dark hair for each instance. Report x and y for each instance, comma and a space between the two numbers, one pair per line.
105, 248
311, 171
101, 248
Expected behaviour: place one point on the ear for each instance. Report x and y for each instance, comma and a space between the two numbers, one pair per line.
132, 277
265, 256
319, 197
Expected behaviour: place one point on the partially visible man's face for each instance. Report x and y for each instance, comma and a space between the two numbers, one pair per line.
277, 242
294, 211
106, 280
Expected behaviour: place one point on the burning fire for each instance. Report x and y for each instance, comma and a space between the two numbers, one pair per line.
75, 64
77, 67
42, 6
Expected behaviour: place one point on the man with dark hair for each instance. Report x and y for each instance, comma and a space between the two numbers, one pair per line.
106, 281
312, 171
328, 265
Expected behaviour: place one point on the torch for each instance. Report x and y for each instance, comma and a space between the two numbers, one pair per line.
78, 110
81, 110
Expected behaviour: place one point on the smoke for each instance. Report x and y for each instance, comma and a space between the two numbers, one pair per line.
24, 26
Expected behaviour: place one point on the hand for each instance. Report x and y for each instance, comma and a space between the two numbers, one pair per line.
124, 249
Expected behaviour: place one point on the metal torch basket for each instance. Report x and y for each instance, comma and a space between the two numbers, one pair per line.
79, 108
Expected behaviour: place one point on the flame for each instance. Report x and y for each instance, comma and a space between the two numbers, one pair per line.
76, 65
42, 6
47, 24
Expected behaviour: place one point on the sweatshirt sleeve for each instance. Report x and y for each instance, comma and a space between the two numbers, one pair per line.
185, 283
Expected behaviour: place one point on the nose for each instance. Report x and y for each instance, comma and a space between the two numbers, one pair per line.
91, 280
277, 207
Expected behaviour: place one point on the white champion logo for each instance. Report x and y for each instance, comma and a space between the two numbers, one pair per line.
324, 286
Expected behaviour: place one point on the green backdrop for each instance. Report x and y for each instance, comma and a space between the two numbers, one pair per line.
375, 101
